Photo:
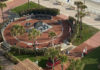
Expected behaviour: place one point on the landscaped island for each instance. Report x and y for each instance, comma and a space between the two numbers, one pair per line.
47, 39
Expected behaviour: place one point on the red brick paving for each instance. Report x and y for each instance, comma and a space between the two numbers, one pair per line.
43, 38
11, 5
91, 44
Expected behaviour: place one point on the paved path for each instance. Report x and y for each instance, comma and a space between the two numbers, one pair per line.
10, 5
5, 62
91, 44
90, 20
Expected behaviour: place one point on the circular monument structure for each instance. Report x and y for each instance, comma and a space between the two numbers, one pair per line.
44, 26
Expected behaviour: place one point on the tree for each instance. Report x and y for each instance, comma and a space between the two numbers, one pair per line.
33, 34
63, 59
17, 30
52, 35
82, 13
78, 3
52, 52
2, 5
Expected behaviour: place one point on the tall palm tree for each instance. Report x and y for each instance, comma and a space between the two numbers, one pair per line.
33, 34
82, 13
78, 3
52, 35
52, 52
63, 59
2, 5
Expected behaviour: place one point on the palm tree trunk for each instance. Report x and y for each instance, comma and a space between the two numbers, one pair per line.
38, 3
34, 45
80, 30
52, 42
28, 4
53, 64
61, 66
81, 24
2, 14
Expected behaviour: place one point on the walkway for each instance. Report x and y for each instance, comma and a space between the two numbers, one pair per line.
5, 62
90, 20
10, 5
90, 44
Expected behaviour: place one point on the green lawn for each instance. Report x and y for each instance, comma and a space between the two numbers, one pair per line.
87, 32
42, 59
25, 7
92, 60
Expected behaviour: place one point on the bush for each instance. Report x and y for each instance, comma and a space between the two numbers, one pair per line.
11, 57
25, 51
45, 11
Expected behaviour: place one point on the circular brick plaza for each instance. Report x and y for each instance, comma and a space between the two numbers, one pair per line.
61, 29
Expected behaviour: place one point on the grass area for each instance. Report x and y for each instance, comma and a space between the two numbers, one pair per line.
87, 32
92, 60
25, 7
42, 59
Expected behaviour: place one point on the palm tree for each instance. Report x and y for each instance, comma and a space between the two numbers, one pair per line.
33, 34
78, 3
52, 52
17, 30
63, 59
52, 35
82, 13
2, 5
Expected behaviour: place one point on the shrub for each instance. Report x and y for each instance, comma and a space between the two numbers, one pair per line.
11, 57
45, 11
25, 51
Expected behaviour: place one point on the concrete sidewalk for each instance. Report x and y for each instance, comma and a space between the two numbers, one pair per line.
90, 20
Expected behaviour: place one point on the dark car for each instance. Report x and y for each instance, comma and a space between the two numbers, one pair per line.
49, 63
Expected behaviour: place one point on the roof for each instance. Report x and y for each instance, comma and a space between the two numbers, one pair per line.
27, 65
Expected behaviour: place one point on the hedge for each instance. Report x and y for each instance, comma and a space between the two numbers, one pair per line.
25, 51
45, 11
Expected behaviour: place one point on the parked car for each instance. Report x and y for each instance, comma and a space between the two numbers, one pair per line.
49, 63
